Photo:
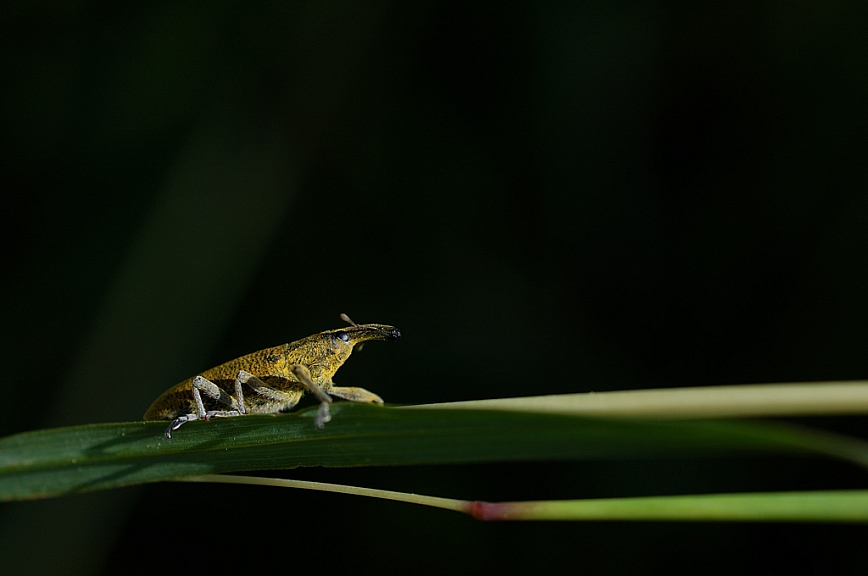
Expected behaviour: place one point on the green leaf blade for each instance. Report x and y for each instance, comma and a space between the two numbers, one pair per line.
65, 460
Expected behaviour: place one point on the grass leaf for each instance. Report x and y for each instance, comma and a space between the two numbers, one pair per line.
841, 506
65, 460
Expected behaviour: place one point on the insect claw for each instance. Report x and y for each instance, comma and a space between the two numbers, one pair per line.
176, 423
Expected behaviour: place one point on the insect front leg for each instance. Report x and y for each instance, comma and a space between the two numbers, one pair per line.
303, 374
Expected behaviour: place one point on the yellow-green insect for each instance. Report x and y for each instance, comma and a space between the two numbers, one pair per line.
272, 380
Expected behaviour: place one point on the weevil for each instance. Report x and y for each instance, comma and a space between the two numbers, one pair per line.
272, 380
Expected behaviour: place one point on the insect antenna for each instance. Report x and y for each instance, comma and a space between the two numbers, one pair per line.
349, 321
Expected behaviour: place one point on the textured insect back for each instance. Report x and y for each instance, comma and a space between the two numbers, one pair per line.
272, 380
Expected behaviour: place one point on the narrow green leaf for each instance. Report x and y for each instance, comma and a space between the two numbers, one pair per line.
64, 460
820, 506
814, 506
742, 401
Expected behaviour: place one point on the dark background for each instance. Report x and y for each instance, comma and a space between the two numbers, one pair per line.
545, 197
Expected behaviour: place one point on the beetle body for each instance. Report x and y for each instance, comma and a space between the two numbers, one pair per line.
271, 380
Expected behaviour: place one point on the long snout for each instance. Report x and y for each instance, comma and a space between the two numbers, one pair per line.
366, 332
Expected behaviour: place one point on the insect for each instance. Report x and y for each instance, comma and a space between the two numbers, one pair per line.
272, 380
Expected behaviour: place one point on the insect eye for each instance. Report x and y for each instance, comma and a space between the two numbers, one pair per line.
342, 336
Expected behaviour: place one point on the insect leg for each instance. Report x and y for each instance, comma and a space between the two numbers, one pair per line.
355, 394
214, 391
203, 385
239, 394
303, 375
288, 399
